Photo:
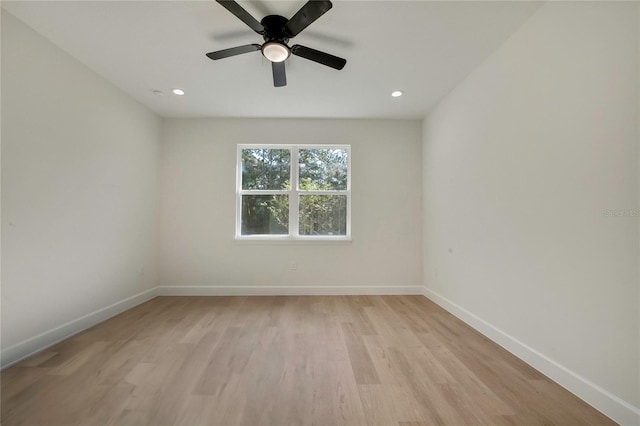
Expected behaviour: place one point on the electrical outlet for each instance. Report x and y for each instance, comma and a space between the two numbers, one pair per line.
294, 266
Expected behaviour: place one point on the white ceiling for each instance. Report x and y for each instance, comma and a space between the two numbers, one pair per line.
424, 48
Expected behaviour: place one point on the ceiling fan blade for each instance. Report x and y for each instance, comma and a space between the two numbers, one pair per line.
279, 74
242, 14
220, 54
318, 56
311, 11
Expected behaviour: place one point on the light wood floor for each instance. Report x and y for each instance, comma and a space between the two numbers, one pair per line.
356, 360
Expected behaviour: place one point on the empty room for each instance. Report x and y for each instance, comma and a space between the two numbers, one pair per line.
340, 212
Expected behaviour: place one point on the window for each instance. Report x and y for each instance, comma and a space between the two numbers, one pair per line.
293, 192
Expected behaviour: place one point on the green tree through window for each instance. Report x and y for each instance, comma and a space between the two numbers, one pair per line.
294, 191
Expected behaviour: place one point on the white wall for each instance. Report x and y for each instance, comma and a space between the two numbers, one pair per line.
198, 209
79, 194
521, 162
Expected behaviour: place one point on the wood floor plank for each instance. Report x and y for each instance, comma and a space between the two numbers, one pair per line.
363, 368
175, 393
383, 406
296, 360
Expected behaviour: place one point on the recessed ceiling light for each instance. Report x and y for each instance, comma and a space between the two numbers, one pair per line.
397, 93
178, 92
158, 93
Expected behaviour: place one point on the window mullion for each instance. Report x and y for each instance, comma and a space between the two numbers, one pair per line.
324, 192
294, 200
264, 192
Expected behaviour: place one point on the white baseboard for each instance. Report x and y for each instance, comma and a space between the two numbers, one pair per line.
604, 401
28, 347
295, 290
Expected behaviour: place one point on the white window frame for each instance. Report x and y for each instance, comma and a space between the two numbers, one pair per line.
294, 194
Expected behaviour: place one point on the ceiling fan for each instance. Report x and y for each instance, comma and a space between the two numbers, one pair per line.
277, 31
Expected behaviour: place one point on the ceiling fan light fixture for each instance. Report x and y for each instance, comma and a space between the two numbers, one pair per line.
275, 51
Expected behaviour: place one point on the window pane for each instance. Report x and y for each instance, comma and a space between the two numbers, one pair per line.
266, 168
323, 215
265, 214
323, 169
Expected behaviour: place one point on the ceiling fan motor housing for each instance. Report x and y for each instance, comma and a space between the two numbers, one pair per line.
274, 29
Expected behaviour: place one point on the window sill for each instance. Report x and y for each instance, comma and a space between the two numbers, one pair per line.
294, 241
